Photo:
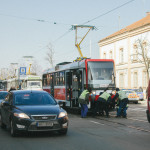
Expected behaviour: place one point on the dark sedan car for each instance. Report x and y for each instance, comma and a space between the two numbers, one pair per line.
32, 111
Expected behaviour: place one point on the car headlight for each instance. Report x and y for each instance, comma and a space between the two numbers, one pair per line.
93, 92
62, 114
22, 115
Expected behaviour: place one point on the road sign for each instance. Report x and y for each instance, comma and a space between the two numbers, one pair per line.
22, 70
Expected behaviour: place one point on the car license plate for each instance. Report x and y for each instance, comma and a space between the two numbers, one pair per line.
44, 124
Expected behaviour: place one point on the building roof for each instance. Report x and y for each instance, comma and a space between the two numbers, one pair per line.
144, 21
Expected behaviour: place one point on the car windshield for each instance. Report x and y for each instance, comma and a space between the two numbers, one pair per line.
34, 99
3, 95
127, 92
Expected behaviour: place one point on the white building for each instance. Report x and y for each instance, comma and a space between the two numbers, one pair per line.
120, 46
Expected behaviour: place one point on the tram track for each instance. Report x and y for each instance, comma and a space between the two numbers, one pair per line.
123, 124
108, 120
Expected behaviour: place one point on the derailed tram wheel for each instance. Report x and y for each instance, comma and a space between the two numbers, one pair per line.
148, 116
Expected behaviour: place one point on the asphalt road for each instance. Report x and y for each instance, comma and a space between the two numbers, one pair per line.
89, 134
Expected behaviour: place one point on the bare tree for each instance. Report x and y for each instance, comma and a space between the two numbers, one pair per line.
141, 54
36, 69
50, 54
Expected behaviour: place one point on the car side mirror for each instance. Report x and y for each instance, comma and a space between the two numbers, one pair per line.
60, 102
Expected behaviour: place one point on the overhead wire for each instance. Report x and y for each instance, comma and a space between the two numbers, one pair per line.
64, 34
109, 11
33, 19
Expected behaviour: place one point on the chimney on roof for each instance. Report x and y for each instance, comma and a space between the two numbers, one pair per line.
148, 13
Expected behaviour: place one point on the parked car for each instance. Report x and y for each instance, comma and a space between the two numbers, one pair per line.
132, 96
32, 111
148, 102
3, 94
139, 93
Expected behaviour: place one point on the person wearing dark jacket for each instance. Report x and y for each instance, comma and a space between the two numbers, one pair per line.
122, 102
104, 100
84, 100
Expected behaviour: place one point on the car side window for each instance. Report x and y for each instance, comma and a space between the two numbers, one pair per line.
10, 99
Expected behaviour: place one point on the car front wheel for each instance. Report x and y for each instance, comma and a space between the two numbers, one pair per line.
63, 132
13, 131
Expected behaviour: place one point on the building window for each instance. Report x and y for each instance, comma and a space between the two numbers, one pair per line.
135, 52
144, 79
104, 55
110, 54
135, 79
144, 44
121, 55
121, 80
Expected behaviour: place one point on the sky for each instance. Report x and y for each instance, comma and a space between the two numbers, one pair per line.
27, 27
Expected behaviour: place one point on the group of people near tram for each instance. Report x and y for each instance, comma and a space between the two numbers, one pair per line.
104, 102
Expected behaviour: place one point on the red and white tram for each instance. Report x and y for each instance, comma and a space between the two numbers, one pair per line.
67, 80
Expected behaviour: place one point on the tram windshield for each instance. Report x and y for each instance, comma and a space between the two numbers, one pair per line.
100, 74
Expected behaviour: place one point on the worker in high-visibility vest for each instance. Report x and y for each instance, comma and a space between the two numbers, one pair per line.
104, 100
123, 101
84, 100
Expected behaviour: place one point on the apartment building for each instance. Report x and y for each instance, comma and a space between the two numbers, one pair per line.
122, 47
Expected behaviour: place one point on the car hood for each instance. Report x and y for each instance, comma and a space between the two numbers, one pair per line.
36, 110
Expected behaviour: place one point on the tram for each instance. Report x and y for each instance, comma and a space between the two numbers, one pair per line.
1, 85
28, 82
67, 80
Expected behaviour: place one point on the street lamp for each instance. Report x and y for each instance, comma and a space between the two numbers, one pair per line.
29, 60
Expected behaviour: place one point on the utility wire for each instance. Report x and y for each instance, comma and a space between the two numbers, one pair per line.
33, 19
109, 11
63, 35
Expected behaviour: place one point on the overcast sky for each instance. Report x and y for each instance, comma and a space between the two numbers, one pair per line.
28, 26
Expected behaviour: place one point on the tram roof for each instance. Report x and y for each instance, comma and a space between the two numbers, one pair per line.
66, 66
70, 66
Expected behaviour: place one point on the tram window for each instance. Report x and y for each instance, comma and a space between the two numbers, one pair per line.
51, 79
48, 79
61, 78
57, 78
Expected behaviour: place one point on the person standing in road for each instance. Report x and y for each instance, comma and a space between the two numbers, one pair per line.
84, 100
104, 100
123, 101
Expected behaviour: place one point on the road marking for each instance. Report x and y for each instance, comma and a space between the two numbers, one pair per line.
97, 122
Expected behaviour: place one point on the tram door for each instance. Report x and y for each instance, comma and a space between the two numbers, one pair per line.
76, 86
52, 84
68, 80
